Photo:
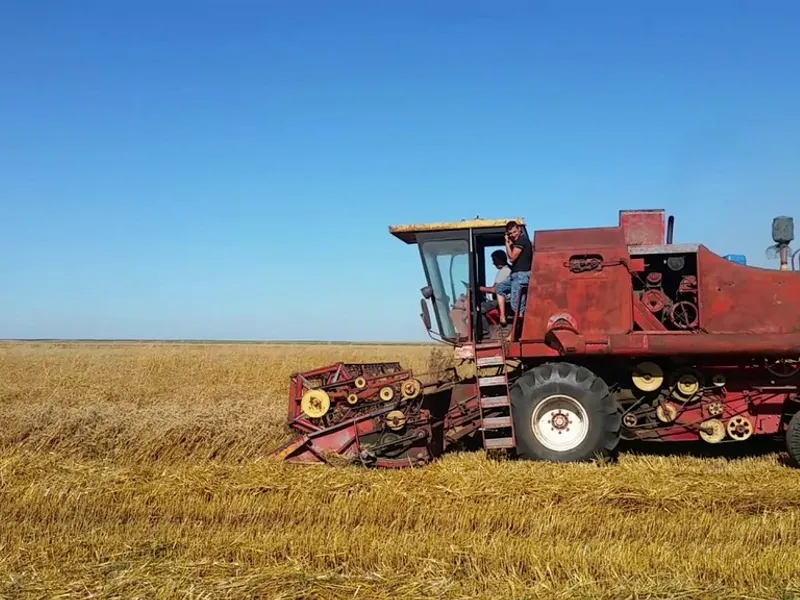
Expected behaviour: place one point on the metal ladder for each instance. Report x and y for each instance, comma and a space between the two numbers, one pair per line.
497, 426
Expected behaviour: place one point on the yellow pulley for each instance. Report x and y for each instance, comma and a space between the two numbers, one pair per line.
352, 399
712, 431
395, 420
740, 428
386, 393
647, 376
688, 385
360, 383
315, 403
666, 412
411, 389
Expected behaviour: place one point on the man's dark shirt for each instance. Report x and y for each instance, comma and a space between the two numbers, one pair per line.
525, 258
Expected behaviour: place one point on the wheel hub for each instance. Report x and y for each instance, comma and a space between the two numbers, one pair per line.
559, 420
560, 423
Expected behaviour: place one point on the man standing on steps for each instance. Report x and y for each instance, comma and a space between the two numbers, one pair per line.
520, 253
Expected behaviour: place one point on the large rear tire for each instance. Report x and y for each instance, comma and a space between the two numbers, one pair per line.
564, 413
793, 440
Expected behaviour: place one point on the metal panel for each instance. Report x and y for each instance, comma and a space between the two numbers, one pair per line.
663, 249
741, 299
408, 233
643, 227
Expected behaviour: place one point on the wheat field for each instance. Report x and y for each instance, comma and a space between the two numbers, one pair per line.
139, 471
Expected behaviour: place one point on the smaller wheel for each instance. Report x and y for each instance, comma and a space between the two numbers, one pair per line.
360, 383
386, 393
352, 399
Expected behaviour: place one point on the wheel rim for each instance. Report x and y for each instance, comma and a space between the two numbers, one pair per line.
560, 423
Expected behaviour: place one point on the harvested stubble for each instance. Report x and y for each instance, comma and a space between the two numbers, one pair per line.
138, 471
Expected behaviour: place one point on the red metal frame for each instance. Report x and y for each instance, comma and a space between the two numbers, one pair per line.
343, 440
338, 381
743, 311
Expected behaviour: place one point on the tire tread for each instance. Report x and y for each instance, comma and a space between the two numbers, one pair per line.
565, 377
793, 439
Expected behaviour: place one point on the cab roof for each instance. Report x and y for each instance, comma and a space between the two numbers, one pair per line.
408, 233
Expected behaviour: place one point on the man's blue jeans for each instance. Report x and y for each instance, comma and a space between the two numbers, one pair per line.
511, 286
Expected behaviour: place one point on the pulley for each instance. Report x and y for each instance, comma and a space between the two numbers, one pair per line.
352, 399
410, 389
666, 412
718, 380
395, 420
740, 428
360, 383
647, 376
712, 431
784, 367
315, 403
653, 300
684, 315
688, 385
386, 393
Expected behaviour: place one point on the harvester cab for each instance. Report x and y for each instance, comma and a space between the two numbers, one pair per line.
456, 261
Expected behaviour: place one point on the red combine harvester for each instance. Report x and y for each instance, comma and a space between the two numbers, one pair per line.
625, 335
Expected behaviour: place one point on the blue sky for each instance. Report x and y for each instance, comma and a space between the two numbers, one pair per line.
202, 169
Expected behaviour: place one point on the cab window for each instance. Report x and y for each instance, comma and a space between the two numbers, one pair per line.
447, 265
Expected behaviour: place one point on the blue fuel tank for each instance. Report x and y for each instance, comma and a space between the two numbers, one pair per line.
737, 258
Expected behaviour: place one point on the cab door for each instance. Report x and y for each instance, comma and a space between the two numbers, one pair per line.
484, 242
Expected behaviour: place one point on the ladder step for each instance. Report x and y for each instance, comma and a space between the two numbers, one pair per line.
494, 402
496, 422
488, 345
492, 443
489, 381
490, 361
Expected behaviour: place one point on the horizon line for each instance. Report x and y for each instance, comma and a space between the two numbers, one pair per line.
211, 341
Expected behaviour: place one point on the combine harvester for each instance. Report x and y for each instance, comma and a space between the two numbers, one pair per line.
625, 335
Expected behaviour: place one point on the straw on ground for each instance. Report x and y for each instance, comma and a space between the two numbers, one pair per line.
138, 471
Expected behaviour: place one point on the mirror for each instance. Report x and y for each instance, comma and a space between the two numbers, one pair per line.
425, 314
427, 292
